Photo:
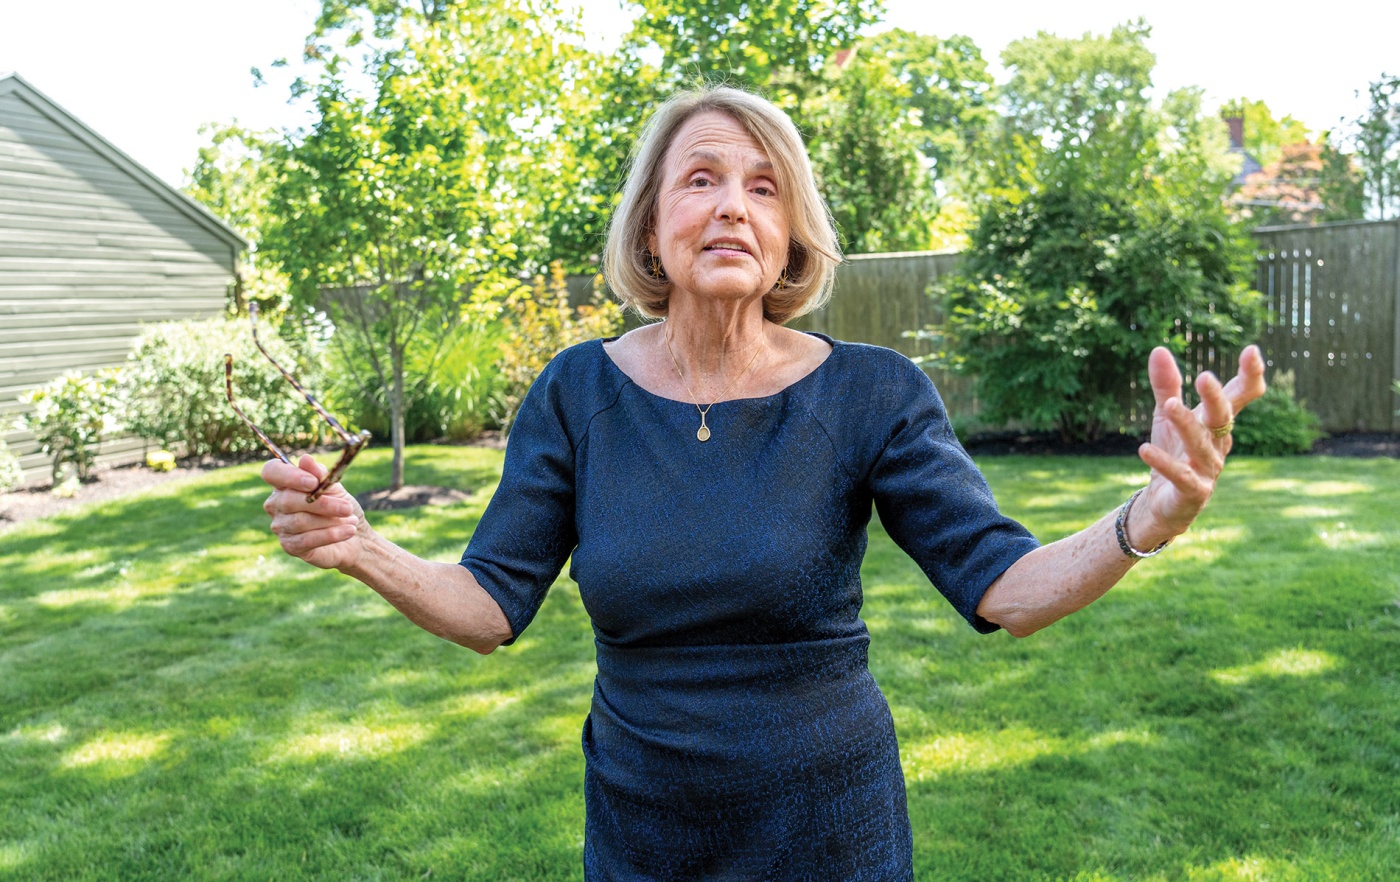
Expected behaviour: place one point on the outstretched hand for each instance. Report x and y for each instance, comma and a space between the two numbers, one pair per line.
328, 533
1185, 455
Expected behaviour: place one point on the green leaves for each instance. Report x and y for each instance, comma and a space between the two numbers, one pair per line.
1265, 136
778, 46
11, 475
70, 415
1101, 235
948, 87
173, 385
865, 140
1377, 143
1278, 424
424, 175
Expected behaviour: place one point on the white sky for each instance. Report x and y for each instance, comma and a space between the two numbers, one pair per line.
145, 74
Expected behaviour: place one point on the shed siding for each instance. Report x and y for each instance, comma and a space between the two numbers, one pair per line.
88, 253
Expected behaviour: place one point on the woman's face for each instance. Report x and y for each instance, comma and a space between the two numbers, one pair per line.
721, 229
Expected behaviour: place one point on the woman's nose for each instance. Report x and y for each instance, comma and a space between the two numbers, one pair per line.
733, 204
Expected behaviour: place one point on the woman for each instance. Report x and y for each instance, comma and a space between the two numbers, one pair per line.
712, 476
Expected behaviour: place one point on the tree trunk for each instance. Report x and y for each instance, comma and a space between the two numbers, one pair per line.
396, 409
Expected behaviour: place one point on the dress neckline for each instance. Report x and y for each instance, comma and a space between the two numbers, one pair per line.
627, 379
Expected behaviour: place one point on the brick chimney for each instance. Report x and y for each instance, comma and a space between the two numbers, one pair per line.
1236, 124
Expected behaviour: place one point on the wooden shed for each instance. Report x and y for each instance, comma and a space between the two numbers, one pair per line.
92, 246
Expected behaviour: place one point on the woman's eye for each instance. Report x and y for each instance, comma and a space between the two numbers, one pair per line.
700, 182
764, 191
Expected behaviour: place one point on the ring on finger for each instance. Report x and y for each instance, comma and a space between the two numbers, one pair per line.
1218, 432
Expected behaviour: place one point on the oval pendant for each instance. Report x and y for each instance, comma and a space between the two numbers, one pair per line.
703, 434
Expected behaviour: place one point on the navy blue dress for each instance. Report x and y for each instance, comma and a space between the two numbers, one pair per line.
735, 730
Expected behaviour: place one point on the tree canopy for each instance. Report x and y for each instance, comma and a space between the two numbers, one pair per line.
777, 47
457, 145
1101, 235
429, 159
947, 84
864, 143
1376, 141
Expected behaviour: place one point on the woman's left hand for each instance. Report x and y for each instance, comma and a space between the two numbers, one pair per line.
1185, 455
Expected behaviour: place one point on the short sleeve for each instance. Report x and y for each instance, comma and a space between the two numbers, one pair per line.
936, 505
528, 530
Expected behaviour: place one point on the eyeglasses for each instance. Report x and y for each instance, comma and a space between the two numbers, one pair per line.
354, 443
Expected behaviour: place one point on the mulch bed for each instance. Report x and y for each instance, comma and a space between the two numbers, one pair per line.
1367, 445
35, 501
409, 496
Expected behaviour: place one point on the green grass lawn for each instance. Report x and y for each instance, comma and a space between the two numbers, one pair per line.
180, 701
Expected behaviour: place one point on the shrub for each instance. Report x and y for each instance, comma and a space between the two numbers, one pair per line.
540, 323
1100, 235
460, 393
70, 416
174, 384
11, 475
451, 384
1277, 424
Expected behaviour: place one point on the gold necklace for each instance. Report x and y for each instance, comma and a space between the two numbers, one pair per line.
703, 433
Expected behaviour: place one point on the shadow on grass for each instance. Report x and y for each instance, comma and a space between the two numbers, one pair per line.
1230, 711
318, 748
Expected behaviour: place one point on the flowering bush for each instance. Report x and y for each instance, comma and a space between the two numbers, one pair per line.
540, 323
11, 475
174, 386
70, 416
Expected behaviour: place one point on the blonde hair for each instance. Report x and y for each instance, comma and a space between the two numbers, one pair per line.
813, 248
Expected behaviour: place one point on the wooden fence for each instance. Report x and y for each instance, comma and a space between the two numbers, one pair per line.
880, 298
1332, 291
1333, 294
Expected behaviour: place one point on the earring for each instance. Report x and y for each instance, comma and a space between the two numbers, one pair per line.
658, 272
783, 281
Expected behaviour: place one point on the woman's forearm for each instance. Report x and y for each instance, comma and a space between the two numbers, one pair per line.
441, 598
1057, 579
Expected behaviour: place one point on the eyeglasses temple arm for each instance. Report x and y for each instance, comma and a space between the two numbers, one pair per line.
228, 390
325, 415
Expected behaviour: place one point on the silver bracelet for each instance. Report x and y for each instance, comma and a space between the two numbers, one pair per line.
1120, 527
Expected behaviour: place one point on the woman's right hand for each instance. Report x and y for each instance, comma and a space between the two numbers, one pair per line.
329, 533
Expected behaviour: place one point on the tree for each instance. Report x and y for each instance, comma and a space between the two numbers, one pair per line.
880, 113
892, 135
1265, 136
1286, 191
409, 192
1377, 143
1341, 183
1102, 235
779, 47
1078, 105
864, 145
233, 178
600, 115
1309, 183
1360, 175
949, 87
